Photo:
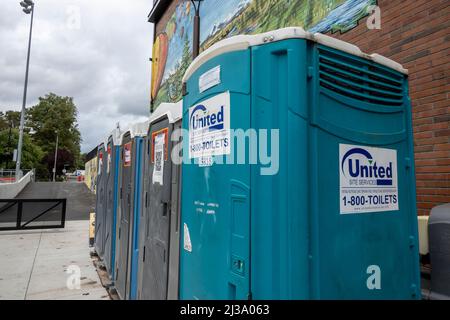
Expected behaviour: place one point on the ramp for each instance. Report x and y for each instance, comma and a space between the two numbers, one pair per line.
80, 200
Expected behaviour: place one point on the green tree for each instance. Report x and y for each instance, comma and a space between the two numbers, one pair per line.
55, 115
83, 160
32, 154
65, 161
9, 119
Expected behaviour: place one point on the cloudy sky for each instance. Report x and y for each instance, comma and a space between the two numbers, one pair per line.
96, 51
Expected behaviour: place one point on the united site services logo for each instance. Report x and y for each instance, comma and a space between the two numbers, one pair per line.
209, 127
368, 179
359, 163
203, 120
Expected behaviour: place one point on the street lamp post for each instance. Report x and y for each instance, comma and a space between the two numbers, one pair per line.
8, 153
196, 37
56, 157
28, 7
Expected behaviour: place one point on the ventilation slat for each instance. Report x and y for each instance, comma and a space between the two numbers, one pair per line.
344, 58
363, 87
360, 96
373, 82
359, 79
361, 70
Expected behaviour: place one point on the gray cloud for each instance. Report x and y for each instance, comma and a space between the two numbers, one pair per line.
96, 51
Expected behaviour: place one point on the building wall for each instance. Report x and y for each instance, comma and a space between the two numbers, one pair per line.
172, 52
416, 34
91, 174
161, 25
413, 33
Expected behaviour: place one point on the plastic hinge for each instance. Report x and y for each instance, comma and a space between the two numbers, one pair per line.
413, 290
310, 72
408, 162
412, 242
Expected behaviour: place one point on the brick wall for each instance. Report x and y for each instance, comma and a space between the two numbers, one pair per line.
416, 33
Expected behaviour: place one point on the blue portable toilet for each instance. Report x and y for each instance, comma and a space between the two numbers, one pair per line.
327, 210
100, 205
130, 183
160, 215
112, 160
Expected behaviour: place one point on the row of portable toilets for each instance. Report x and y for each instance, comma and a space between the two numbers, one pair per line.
136, 220
332, 214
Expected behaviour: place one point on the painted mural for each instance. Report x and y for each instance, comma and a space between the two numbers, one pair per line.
90, 178
220, 19
172, 54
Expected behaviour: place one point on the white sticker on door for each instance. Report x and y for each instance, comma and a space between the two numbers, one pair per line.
209, 127
367, 179
108, 165
204, 162
127, 154
100, 163
209, 79
158, 167
187, 245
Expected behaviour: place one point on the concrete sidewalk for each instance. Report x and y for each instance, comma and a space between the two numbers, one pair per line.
33, 264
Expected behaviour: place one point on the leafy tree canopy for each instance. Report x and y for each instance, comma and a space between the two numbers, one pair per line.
65, 161
56, 115
32, 154
53, 115
9, 119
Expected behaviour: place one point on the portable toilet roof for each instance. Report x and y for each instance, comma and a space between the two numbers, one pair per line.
139, 129
116, 135
243, 42
136, 130
173, 111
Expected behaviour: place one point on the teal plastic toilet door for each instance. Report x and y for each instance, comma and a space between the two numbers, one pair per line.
215, 239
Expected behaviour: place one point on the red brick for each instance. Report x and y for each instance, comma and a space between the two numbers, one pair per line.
431, 127
432, 177
426, 205
433, 191
432, 141
442, 133
433, 162
432, 169
422, 121
431, 155
442, 147
433, 184
423, 135
433, 198
424, 148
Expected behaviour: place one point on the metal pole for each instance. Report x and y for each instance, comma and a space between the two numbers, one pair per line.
196, 36
196, 40
9, 145
56, 157
22, 115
